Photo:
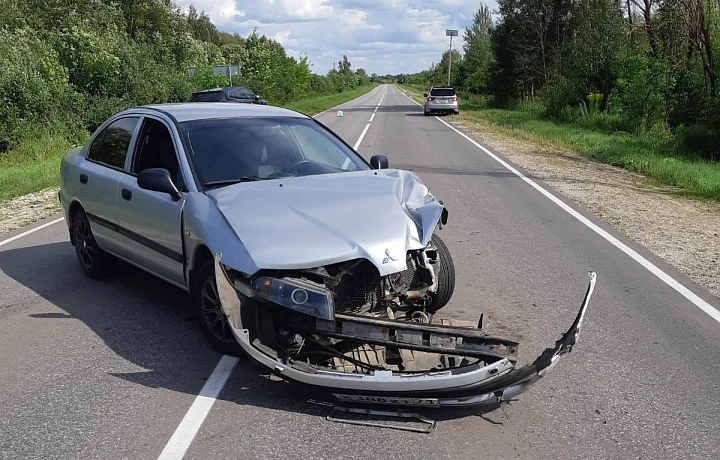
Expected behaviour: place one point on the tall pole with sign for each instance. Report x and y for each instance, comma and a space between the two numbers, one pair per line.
450, 33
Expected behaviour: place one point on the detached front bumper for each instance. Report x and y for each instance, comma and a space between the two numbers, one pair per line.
467, 386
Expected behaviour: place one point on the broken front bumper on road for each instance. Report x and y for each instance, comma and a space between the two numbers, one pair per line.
483, 371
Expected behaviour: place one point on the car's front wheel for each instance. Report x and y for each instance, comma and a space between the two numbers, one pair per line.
206, 304
95, 262
445, 273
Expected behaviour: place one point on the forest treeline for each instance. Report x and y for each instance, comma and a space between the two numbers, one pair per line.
637, 66
66, 65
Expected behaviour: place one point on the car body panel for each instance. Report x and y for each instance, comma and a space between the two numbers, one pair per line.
374, 215
150, 230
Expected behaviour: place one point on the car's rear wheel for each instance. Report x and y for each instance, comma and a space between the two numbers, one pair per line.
95, 262
445, 273
206, 304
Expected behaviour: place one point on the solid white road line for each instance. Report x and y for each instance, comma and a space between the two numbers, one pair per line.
371, 117
32, 230
652, 268
357, 144
195, 416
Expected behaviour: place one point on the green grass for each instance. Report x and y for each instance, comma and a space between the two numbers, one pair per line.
657, 156
316, 104
35, 163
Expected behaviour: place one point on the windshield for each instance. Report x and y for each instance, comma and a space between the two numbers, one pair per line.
442, 92
225, 151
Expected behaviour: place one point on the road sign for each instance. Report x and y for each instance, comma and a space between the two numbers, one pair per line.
451, 32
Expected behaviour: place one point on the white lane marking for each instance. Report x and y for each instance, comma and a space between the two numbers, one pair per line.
375, 111
195, 416
32, 230
357, 144
371, 117
652, 268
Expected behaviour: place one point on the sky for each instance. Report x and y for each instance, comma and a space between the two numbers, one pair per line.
380, 36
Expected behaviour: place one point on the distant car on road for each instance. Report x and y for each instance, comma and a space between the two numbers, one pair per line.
441, 99
228, 94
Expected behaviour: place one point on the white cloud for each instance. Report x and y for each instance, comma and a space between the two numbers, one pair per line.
381, 36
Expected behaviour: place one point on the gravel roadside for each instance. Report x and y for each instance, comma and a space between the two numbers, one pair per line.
27, 209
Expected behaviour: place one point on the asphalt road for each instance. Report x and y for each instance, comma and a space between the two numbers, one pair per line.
108, 369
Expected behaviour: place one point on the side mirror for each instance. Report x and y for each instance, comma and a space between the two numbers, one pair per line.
379, 162
158, 180
424, 94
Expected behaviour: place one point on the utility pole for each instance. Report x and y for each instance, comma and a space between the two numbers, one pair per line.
450, 33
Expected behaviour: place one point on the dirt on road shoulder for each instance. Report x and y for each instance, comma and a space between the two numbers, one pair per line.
681, 231
27, 209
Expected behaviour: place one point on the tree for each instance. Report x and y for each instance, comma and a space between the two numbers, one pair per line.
344, 65
475, 71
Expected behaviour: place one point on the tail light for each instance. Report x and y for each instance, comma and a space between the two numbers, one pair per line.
431, 98
455, 98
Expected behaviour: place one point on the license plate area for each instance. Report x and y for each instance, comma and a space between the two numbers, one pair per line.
391, 400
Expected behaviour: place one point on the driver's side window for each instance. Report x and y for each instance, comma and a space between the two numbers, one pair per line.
155, 149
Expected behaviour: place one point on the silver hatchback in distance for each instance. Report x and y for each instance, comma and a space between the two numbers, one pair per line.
441, 99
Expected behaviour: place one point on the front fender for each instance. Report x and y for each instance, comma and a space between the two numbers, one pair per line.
204, 225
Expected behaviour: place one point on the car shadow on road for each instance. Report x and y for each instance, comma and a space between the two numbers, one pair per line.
149, 323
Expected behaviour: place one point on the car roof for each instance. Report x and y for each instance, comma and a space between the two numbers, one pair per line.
223, 89
189, 111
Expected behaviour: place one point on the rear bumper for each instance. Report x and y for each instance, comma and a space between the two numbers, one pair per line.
468, 386
439, 107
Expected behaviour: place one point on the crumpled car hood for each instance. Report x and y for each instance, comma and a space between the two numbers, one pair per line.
311, 221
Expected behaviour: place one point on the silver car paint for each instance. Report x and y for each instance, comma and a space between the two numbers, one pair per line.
312, 221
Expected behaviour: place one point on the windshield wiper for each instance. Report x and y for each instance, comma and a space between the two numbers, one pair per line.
213, 183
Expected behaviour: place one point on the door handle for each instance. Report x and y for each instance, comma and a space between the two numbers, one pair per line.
126, 194
83, 178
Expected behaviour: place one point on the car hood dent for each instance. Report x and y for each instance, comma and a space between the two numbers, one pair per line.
311, 221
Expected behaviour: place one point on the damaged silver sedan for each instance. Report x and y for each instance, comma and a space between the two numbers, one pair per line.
326, 269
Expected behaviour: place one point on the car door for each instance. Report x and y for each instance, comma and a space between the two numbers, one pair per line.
99, 174
150, 222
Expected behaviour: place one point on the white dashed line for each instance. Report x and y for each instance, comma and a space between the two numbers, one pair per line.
357, 144
195, 416
371, 117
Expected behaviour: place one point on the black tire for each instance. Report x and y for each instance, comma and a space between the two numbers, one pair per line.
206, 305
95, 262
427, 114
445, 272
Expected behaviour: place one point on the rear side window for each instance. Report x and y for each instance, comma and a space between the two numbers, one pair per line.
111, 146
442, 92
238, 94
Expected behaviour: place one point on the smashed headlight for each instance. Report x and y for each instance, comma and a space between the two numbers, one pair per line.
299, 296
